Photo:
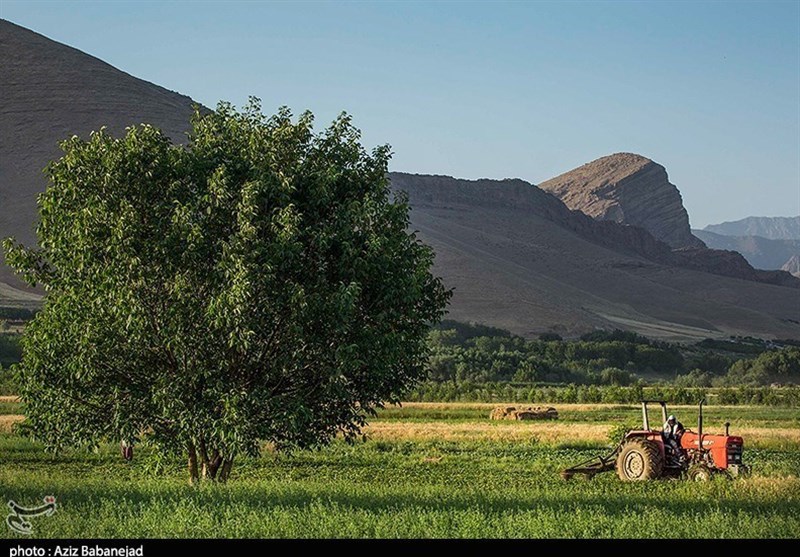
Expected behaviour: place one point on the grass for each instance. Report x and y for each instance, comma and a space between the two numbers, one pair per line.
463, 476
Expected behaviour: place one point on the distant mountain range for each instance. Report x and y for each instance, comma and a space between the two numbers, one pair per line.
761, 253
772, 228
766, 242
606, 245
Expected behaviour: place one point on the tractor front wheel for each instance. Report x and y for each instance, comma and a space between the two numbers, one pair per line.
639, 459
699, 473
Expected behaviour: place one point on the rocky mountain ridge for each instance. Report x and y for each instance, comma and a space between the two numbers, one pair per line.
521, 260
628, 189
432, 190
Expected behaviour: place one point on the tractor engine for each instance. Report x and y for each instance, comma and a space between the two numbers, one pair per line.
721, 452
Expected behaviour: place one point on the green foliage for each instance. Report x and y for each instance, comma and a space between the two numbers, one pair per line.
257, 285
10, 350
16, 314
695, 378
463, 332
739, 345
778, 366
712, 363
616, 433
464, 354
8, 381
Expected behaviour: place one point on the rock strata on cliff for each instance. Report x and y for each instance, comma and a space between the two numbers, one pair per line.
628, 189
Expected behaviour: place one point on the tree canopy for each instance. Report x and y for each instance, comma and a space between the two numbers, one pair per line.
258, 284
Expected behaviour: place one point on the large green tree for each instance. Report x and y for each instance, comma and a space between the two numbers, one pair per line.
258, 284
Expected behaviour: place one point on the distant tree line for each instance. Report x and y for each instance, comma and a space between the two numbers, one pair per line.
475, 362
461, 353
10, 350
431, 391
16, 314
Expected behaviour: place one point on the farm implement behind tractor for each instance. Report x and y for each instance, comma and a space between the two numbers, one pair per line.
648, 454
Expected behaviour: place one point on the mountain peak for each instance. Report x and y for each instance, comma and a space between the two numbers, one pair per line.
617, 164
629, 189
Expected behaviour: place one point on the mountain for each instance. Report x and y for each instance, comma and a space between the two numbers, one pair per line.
51, 91
632, 190
773, 228
628, 189
519, 259
761, 253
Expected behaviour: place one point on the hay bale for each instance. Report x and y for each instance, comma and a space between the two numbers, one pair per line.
502, 413
537, 413
524, 413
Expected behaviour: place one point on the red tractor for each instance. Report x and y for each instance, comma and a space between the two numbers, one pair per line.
647, 454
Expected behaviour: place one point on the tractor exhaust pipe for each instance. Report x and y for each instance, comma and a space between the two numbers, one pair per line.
727, 427
700, 426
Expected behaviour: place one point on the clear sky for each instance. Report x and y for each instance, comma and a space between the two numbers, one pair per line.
492, 89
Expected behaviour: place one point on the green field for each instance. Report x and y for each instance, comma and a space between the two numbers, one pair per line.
429, 470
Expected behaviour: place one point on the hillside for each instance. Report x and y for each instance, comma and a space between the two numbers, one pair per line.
51, 91
773, 228
631, 190
520, 260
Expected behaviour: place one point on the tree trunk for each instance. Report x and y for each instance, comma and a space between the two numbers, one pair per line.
214, 467
194, 476
225, 472
211, 467
201, 445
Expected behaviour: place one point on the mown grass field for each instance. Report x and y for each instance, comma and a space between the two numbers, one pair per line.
428, 470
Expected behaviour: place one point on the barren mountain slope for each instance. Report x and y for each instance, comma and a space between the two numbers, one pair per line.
50, 91
793, 265
513, 263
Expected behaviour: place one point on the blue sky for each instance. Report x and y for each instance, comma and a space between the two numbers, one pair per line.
480, 89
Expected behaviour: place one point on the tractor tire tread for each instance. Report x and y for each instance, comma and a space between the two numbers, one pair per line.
651, 455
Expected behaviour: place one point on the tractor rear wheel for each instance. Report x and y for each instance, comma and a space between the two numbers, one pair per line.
699, 473
639, 459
